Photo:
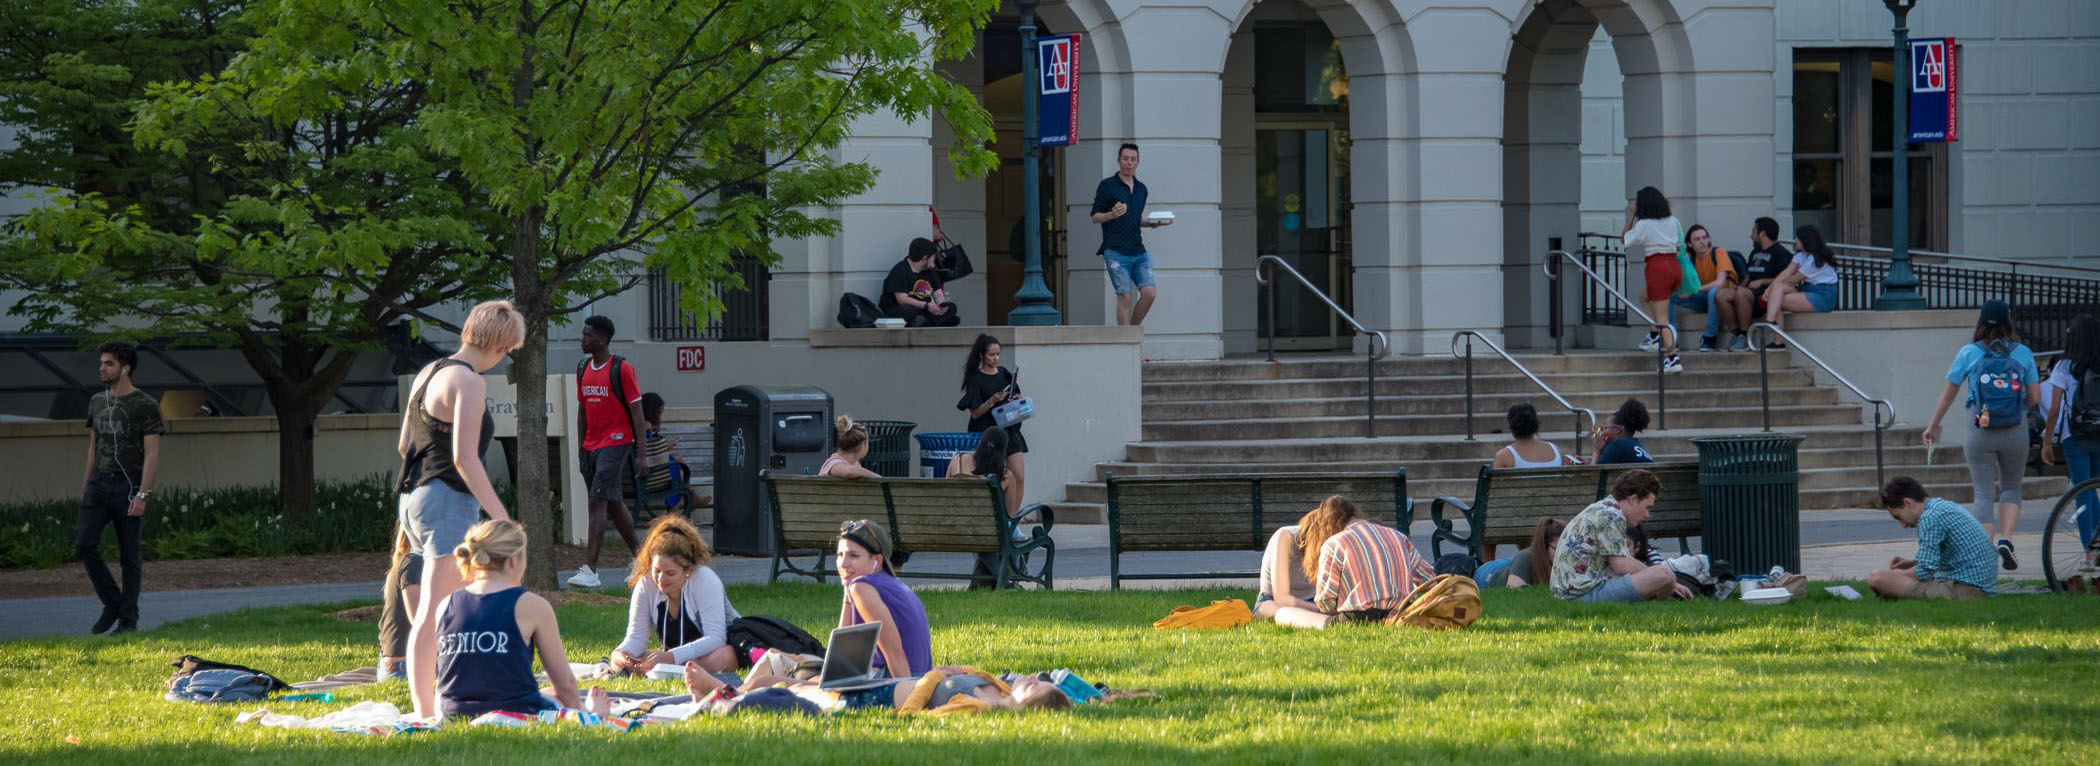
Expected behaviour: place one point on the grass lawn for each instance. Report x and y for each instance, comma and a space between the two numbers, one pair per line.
2012, 680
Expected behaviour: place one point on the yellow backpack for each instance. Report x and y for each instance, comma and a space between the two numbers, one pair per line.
1223, 613
1446, 601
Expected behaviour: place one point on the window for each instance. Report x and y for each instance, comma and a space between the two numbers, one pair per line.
744, 315
1843, 181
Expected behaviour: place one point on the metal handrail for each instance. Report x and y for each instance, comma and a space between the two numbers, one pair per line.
1765, 386
1553, 272
1375, 350
2015, 264
1470, 336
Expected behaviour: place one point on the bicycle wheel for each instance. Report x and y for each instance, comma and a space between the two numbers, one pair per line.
2064, 556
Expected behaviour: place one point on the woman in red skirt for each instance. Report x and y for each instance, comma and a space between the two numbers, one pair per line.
1652, 235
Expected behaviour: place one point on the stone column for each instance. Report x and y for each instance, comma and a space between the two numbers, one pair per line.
961, 201
1542, 168
1236, 164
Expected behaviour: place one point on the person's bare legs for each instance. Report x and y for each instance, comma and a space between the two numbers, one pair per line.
1660, 310
2008, 516
440, 579
1298, 617
699, 682
1017, 467
1655, 582
1125, 303
614, 511
721, 660
1146, 295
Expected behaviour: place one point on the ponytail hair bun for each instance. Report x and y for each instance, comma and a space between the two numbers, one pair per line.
851, 434
489, 546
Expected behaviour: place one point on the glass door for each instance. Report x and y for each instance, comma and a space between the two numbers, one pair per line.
1301, 216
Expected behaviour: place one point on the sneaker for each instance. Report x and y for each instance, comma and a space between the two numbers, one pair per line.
1653, 342
1740, 342
125, 627
1707, 345
105, 622
393, 671
2005, 556
585, 578
1672, 364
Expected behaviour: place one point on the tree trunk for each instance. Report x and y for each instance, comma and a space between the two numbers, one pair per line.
295, 452
528, 371
298, 386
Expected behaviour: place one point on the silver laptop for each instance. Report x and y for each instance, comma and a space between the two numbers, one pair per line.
850, 662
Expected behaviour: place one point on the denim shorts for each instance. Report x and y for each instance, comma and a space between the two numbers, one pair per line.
1128, 272
1824, 298
437, 518
1617, 590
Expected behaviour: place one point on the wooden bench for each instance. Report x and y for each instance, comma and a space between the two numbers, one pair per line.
1233, 512
962, 515
696, 448
1508, 503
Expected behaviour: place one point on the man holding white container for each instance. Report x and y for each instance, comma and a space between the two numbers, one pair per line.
1119, 206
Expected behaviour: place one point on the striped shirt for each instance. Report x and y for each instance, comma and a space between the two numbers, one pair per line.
1367, 566
1953, 546
658, 449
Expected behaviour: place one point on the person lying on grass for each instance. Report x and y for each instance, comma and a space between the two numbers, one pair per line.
488, 629
904, 647
1595, 563
1955, 559
941, 690
1361, 570
679, 599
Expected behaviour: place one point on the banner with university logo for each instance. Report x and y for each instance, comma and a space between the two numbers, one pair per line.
1057, 92
1935, 90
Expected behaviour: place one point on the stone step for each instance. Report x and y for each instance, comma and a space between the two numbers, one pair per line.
1484, 361
1094, 495
1405, 425
1568, 385
1357, 449
1489, 409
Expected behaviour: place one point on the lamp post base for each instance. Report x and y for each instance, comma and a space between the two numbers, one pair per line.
1906, 300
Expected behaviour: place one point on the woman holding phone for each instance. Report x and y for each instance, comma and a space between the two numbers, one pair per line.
985, 386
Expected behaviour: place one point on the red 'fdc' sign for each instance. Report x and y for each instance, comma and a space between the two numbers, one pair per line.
692, 358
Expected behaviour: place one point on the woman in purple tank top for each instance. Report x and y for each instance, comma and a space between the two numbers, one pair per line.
874, 594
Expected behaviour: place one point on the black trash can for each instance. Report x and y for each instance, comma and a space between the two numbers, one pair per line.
1750, 500
784, 429
889, 447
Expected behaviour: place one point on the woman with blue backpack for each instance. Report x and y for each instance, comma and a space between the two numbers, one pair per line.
1999, 374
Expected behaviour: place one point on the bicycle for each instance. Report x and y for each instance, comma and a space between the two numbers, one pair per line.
2064, 555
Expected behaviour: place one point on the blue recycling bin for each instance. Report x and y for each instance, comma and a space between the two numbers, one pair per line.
936, 449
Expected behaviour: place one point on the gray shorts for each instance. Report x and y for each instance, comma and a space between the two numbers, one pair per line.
1617, 590
437, 518
602, 468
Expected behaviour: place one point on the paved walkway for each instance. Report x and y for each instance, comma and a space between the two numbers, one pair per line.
1835, 545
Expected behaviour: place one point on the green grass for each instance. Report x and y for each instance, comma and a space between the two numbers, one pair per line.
2012, 680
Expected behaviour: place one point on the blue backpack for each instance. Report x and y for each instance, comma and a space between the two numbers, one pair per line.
1996, 388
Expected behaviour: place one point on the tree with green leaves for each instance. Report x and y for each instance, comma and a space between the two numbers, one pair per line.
617, 137
179, 202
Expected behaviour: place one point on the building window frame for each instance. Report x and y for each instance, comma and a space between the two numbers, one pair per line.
1856, 154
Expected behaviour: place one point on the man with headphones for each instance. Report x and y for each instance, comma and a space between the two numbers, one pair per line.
123, 454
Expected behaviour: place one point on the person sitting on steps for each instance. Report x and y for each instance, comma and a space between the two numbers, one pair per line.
1526, 449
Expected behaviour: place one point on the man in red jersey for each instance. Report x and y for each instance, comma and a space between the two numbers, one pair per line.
609, 416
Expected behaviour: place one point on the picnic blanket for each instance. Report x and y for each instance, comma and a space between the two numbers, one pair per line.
382, 719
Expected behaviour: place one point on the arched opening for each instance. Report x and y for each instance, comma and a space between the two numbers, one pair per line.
1285, 160
1583, 126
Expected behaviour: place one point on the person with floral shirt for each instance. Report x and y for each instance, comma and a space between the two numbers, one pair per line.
1595, 562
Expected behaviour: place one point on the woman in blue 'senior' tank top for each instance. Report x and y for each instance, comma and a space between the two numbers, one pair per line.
488, 629
904, 647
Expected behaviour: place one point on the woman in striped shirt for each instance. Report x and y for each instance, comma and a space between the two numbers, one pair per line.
1361, 570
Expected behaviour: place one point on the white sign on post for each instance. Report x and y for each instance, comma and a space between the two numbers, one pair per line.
502, 405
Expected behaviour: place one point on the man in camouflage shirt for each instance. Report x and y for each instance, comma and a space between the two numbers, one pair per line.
123, 455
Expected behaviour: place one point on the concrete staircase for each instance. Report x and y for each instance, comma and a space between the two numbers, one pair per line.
1305, 413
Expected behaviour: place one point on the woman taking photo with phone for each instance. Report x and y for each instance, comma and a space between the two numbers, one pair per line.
985, 386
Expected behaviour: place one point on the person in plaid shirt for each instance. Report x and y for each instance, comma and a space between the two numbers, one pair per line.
1955, 559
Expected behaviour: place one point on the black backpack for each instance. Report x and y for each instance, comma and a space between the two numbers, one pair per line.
2085, 406
855, 310
763, 632
1461, 564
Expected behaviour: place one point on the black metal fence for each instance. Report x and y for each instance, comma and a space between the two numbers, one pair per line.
2043, 303
744, 316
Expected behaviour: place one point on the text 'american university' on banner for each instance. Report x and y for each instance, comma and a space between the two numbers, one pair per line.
1935, 90
1057, 90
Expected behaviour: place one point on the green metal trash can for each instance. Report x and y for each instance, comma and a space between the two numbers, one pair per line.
889, 447
1750, 500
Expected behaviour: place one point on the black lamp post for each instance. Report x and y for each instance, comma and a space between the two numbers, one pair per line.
1032, 301
1899, 290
